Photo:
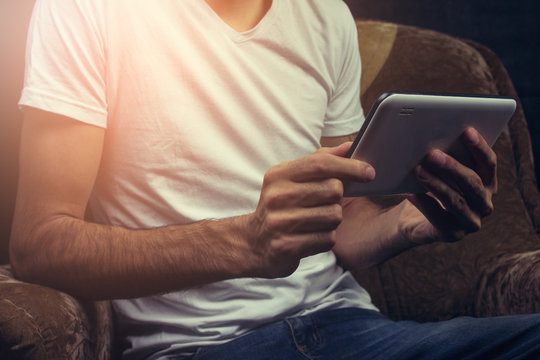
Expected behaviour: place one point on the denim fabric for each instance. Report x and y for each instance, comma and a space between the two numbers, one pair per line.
365, 334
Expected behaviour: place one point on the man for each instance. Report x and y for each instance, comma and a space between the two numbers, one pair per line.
194, 129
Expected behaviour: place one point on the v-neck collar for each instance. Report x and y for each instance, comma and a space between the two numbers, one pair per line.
241, 35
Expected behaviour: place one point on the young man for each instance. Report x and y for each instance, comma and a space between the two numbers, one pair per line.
194, 129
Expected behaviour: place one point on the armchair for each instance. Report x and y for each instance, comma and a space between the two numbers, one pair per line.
493, 272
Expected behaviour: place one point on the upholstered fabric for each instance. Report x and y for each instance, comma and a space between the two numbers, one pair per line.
439, 281
375, 41
510, 285
40, 323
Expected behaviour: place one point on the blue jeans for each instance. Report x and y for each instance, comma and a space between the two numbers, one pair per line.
364, 334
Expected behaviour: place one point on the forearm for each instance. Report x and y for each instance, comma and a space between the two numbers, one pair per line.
296, 216
98, 262
370, 233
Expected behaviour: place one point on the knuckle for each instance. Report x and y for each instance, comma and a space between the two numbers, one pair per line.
274, 199
274, 223
319, 162
476, 181
458, 202
329, 238
335, 214
282, 247
278, 172
489, 208
271, 175
335, 190
474, 226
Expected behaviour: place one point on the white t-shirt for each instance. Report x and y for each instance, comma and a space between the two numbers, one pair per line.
196, 113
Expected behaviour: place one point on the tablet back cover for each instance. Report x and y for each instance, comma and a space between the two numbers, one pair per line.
402, 128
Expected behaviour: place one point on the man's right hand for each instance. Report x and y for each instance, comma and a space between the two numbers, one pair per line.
300, 208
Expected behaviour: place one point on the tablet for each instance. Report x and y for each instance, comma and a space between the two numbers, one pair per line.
402, 128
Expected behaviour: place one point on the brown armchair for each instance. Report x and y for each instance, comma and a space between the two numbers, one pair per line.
495, 271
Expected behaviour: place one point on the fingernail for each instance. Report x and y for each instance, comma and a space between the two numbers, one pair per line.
438, 158
370, 173
472, 136
422, 174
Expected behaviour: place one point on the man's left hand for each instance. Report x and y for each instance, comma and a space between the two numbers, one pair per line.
459, 197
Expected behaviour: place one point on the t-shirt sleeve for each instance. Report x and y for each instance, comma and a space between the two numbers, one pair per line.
344, 113
65, 61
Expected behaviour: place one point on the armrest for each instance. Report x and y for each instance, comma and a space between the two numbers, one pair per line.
37, 322
509, 286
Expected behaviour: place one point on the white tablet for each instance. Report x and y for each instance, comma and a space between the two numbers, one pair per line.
402, 128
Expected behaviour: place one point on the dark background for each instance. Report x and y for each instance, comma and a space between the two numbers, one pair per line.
510, 28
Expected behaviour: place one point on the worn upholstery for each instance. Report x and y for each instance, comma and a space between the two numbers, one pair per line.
495, 271
510, 285
441, 281
41, 323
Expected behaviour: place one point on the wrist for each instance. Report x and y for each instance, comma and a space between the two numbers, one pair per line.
413, 229
247, 261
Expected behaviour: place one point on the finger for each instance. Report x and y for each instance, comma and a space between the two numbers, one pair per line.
445, 225
307, 194
340, 150
462, 179
323, 165
484, 156
305, 220
305, 244
452, 200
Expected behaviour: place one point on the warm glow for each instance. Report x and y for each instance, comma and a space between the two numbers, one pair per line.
14, 18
